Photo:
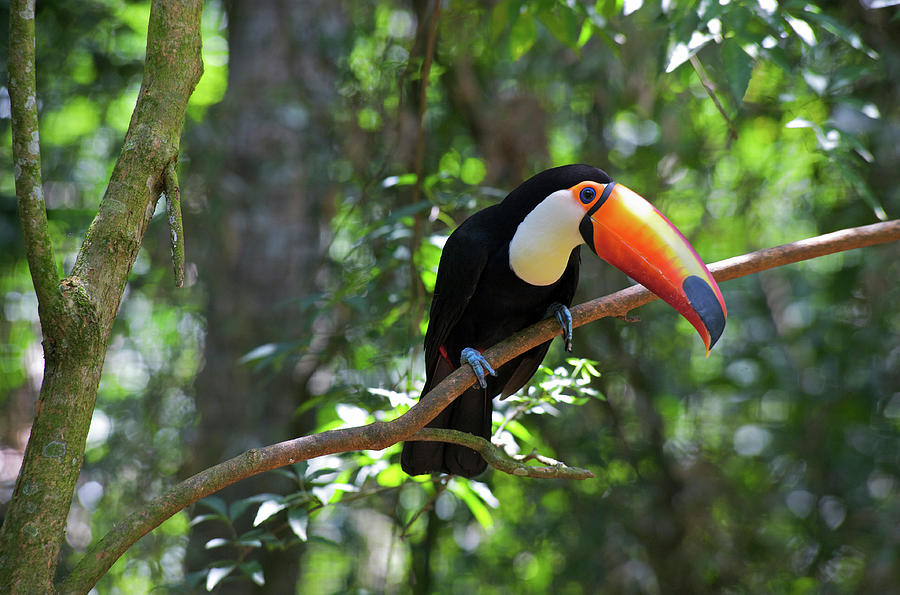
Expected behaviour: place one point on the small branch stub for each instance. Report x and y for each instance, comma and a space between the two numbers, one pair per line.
176, 227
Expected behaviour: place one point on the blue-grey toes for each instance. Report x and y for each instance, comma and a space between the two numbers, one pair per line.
479, 365
565, 321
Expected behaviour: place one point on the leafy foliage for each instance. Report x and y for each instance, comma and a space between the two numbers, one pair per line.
768, 467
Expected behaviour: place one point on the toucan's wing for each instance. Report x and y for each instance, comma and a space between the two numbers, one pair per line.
527, 363
462, 261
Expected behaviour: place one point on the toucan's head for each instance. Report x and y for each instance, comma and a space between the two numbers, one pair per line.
629, 233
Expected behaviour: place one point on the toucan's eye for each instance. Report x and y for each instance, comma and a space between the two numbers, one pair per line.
587, 194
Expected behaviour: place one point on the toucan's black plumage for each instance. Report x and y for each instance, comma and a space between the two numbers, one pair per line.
479, 301
513, 263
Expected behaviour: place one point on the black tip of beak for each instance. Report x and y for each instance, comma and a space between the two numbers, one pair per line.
705, 302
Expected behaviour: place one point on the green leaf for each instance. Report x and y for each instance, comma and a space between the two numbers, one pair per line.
287, 472
253, 569
680, 52
402, 180
216, 575
215, 504
245, 541
392, 476
332, 491
266, 510
463, 490
562, 22
802, 29
800, 123
298, 519
239, 507
216, 542
450, 163
583, 367
501, 15
841, 31
587, 31
859, 184
519, 431
202, 518
609, 8
522, 35
738, 69
473, 171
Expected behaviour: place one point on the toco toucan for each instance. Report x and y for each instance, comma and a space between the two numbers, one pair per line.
516, 262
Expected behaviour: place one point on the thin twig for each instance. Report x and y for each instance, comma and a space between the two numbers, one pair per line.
513, 414
441, 487
380, 435
711, 91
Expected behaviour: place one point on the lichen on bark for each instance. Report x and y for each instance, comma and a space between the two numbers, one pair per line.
77, 312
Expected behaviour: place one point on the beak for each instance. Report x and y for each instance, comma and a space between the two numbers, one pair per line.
629, 233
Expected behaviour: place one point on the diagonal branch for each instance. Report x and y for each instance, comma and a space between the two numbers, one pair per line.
380, 435
711, 91
26, 147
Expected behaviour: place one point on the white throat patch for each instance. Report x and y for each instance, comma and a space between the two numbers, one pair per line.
540, 248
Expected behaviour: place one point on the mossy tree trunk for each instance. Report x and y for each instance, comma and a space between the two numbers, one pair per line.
77, 311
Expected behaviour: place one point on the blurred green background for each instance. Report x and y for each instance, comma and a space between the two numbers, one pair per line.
771, 466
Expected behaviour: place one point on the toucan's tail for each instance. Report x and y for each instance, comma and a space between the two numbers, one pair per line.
470, 412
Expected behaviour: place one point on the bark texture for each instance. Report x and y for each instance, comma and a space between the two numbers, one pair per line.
77, 312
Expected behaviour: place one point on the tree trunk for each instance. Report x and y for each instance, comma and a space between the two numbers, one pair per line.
258, 244
77, 312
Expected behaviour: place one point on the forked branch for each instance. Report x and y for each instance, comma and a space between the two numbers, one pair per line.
26, 148
499, 460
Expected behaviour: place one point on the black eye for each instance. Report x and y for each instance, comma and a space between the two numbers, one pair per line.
587, 194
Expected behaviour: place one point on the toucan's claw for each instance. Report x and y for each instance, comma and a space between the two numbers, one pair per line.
479, 365
565, 321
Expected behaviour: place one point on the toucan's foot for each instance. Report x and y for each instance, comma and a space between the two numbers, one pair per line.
479, 365
565, 321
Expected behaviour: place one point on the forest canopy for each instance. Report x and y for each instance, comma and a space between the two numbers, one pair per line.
330, 148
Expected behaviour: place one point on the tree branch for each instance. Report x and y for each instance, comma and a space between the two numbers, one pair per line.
83, 306
498, 459
172, 69
380, 435
176, 227
26, 147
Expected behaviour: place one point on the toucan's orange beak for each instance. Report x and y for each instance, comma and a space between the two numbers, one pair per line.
629, 233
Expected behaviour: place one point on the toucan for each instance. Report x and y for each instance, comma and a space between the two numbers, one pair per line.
517, 262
